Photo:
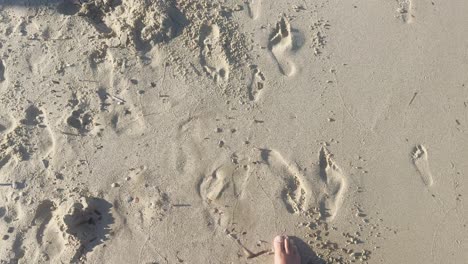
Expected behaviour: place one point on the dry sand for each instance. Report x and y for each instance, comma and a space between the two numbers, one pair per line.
193, 131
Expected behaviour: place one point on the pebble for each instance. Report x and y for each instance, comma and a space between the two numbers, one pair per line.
17, 185
238, 8
115, 185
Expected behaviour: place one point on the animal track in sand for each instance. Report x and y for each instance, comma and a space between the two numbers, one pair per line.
78, 119
421, 162
405, 10
281, 45
30, 139
11, 248
81, 121
212, 54
255, 8
127, 120
256, 85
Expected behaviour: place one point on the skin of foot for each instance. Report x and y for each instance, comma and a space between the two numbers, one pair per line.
285, 251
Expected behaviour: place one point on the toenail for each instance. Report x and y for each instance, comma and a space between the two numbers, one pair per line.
279, 239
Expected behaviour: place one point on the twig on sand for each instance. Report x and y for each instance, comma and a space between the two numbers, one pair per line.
412, 99
148, 238
69, 134
181, 205
115, 98
268, 252
88, 81
249, 254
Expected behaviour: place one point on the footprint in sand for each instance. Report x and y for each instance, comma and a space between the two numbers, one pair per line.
66, 233
239, 190
256, 85
296, 192
226, 190
420, 161
88, 223
332, 185
50, 239
6, 161
281, 46
405, 10
323, 188
222, 188
6, 122
35, 241
212, 54
254, 8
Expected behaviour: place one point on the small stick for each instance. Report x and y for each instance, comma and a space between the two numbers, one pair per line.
268, 252
181, 205
249, 254
195, 69
88, 81
412, 99
119, 100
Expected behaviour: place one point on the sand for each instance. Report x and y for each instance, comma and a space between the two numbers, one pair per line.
194, 131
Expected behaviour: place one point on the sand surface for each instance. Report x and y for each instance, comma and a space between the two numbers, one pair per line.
194, 131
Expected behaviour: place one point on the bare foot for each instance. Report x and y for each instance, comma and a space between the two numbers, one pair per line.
285, 251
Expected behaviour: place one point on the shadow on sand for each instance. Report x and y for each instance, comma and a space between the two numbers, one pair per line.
307, 255
65, 7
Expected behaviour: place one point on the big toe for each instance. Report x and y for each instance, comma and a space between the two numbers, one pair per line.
278, 245
285, 251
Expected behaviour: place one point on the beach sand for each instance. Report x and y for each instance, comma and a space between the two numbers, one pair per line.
194, 131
